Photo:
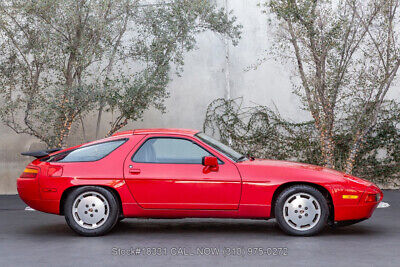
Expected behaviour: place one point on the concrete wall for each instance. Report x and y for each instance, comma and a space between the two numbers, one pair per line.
203, 80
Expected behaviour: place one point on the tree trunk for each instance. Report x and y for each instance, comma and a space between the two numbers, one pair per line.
350, 161
327, 147
117, 126
108, 72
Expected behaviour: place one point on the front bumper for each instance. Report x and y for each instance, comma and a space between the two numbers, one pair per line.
362, 209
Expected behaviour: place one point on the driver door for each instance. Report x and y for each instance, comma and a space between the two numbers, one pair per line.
166, 172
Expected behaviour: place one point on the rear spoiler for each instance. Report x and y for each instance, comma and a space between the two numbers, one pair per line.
40, 153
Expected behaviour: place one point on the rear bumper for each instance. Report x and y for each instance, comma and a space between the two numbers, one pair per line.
29, 192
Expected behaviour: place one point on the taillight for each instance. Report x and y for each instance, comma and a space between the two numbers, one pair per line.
29, 173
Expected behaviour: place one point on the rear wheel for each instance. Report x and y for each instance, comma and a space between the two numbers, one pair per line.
91, 210
301, 210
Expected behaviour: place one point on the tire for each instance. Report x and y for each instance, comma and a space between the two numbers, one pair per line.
301, 210
91, 210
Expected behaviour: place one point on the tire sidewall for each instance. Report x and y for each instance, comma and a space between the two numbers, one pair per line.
285, 194
108, 224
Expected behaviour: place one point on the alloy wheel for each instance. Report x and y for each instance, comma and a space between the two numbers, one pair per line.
302, 211
90, 210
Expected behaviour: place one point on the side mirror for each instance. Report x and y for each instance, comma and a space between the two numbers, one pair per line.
210, 164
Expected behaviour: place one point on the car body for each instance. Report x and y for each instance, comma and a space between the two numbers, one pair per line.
175, 183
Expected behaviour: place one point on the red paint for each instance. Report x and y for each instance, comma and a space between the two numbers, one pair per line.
183, 186
230, 189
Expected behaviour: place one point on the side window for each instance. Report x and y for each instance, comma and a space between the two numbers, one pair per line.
88, 153
170, 150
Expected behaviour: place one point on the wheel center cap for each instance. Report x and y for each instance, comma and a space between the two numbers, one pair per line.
91, 210
302, 211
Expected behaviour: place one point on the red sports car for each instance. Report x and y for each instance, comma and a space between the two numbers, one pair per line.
178, 173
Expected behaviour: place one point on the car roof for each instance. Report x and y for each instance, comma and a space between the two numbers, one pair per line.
190, 132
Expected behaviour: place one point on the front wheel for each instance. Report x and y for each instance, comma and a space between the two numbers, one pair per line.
91, 210
301, 210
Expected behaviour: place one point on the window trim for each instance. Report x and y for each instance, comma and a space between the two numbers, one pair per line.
220, 162
85, 146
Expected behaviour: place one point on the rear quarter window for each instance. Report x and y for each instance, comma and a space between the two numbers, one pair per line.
87, 153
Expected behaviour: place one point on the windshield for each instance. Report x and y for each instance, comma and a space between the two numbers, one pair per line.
224, 149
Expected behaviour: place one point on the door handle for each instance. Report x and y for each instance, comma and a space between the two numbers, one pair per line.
134, 171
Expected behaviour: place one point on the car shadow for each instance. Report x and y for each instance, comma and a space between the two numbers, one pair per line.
48, 230
355, 230
198, 227
223, 226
